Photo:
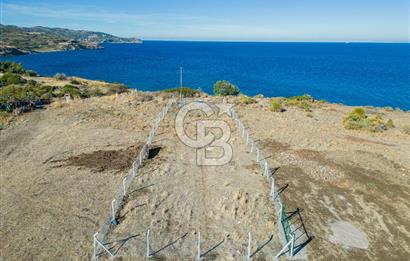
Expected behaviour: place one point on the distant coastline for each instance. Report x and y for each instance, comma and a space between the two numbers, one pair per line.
26, 40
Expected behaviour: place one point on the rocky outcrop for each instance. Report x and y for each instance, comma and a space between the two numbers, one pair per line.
10, 51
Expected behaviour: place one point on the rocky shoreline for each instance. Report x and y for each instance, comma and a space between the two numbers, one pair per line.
21, 40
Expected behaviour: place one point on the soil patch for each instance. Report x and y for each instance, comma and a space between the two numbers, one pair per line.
274, 146
102, 160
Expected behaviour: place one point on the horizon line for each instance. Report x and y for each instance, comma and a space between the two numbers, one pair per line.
269, 41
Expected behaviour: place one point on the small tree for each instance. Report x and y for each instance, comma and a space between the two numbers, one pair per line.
225, 88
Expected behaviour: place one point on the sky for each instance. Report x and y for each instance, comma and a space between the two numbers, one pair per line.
222, 20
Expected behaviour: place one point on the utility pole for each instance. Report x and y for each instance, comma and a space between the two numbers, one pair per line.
180, 82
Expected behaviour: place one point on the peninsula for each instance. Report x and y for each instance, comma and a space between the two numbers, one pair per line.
25, 40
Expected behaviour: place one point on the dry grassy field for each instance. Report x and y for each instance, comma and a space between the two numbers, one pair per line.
61, 166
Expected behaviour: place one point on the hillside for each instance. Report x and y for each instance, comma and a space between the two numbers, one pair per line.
62, 165
23, 40
67, 144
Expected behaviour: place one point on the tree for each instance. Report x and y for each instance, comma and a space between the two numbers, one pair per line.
225, 88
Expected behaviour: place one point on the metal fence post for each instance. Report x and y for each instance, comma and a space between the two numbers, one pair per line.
249, 246
123, 186
257, 155
266, 168
198, 256
272, 191
94, 246
113, 220
148, 245
292, 240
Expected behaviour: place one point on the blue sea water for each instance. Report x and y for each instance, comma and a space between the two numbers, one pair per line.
353, 74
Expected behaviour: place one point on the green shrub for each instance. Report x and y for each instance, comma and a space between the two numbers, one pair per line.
185, 91
17, 96
11, 67
390, 124
357, 120
304, 97
304, 102
258, 96
44, 92
275, 106
11, 78
75, 92
246, 99
31, 82
225, 88
359, 111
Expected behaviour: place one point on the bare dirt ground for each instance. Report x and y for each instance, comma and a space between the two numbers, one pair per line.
353, 186
56, 185
175, 197
51, 204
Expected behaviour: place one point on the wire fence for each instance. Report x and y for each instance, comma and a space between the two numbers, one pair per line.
285, 234
121, 194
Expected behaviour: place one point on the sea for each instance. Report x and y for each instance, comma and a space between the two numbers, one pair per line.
358, 74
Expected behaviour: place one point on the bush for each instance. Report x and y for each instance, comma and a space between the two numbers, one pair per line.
11, 78
75, 92
185, 91
17, 96
225, 88
258, 96
390, 124
60, 76
275, 106
304, 97
246, 99
11, 67
303, 102
357, 120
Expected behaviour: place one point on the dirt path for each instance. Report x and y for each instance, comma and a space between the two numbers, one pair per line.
175, 198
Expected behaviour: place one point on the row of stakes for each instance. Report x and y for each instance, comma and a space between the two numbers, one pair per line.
128, 178
150, 254
266, 172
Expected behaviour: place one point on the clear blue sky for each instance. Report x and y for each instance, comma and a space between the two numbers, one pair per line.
246, 20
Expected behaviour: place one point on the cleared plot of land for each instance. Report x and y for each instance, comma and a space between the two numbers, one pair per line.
175, 198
